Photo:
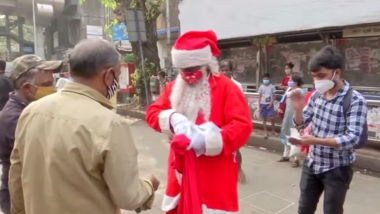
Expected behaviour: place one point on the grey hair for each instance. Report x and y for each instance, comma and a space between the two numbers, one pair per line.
26, 77
90, 56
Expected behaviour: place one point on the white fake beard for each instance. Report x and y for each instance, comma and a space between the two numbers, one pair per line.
189, 100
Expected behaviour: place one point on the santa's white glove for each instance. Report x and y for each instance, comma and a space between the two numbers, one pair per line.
179, 123
195, 134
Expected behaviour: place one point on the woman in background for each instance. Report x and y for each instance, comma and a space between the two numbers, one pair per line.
226, 68
295, 83
288, 71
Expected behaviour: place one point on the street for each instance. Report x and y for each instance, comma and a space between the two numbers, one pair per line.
271, 187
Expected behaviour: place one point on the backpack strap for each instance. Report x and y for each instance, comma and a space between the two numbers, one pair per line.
347, 101
315, 95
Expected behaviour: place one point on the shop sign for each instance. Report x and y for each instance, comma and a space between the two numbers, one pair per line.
361, 31
264, 41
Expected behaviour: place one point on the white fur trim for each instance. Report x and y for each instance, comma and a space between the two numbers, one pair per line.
169, 203
191, 58
207, 210
214, 143
214, 67
164, 121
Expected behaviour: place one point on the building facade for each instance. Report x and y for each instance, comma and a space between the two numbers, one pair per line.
60, 24
262, 36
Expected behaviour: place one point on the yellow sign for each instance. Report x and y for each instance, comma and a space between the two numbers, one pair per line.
361, 31
264, 41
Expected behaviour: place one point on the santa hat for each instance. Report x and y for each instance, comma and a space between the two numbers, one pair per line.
196, 48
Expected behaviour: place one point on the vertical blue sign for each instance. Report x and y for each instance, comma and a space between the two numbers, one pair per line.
119, 32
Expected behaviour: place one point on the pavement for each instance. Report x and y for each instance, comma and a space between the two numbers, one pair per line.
271, 187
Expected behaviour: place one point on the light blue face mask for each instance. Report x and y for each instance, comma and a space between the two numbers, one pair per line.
266, 82
291, 84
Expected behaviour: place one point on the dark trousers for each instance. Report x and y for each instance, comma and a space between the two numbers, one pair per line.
5, 201
333, 183
240, 159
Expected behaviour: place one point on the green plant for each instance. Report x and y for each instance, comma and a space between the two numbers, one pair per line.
129, 58
137, 76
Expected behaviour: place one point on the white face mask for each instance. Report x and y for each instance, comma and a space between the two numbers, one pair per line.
323, 86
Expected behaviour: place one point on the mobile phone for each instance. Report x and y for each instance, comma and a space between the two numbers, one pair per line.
291, 137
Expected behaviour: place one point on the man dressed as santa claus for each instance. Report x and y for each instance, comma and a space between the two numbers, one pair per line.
210, 110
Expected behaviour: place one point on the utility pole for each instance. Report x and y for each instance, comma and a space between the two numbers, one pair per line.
168, 35
34, 27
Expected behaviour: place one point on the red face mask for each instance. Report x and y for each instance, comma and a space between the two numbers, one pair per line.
192, 77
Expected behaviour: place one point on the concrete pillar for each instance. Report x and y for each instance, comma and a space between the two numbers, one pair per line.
40, 42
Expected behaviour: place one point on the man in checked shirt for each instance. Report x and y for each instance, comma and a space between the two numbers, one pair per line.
328, 167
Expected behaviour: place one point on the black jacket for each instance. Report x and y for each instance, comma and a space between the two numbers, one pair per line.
8, 122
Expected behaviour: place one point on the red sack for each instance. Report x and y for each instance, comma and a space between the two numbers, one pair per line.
186, 164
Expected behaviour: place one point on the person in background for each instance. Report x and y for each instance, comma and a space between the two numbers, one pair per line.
288, 72
295, 84
32, 78
6, 86
267, 95
328, 167
226, 68
163, 80
86, 160
154, 87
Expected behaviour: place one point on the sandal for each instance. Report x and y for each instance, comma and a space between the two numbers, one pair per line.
296, 164
283, 159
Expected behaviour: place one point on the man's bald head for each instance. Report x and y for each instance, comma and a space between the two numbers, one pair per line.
91, 56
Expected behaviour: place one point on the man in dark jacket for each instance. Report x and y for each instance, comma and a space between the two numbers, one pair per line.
5, 85
32, 79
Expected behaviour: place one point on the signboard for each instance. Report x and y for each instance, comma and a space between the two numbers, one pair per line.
28, 49
361, 31
136, 25
124, 77
94, 31
119, 32
264, 41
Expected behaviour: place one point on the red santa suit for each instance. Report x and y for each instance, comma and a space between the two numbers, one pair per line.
217, 99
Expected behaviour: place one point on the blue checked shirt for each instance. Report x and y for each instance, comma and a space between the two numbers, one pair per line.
329, 121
